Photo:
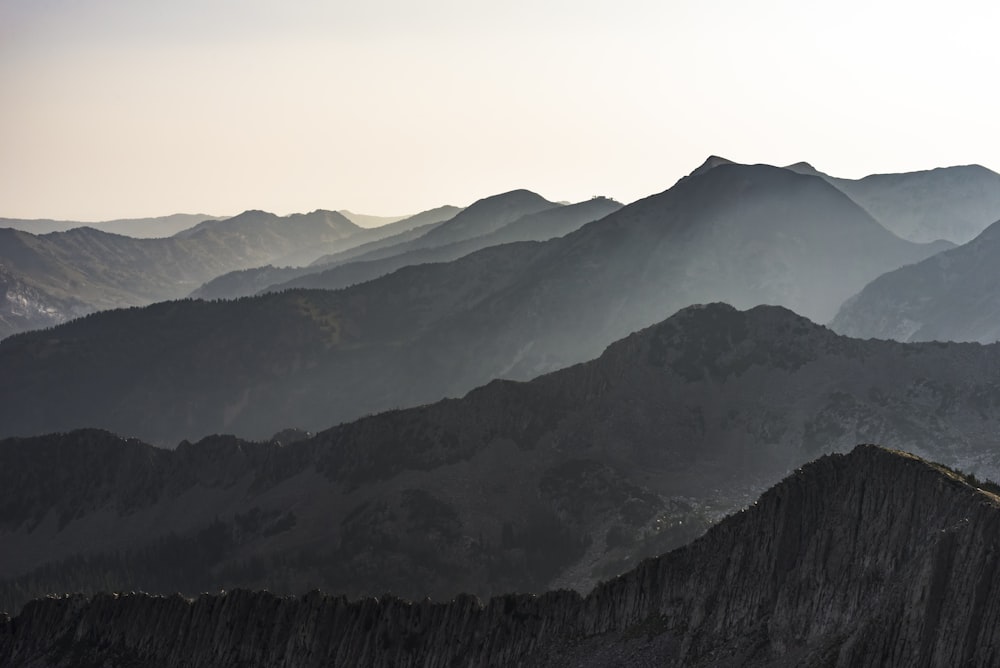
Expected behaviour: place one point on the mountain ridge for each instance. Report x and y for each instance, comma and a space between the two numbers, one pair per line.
778, 584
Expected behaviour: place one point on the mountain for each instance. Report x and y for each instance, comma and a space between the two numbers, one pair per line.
62, 275
365, 220
743, 234
540, 226
481, 217
865, 559
558, 482
87, 270
246, 282
952, 296
951, 203
140, 228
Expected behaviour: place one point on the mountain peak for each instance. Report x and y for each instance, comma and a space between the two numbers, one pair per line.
711, 162
805, 168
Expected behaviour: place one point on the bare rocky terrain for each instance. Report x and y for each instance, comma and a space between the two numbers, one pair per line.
864, 559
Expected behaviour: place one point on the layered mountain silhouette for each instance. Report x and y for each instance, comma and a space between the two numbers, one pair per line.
951, 203
62, 275
539, 226
865, 559
952, 296
368, 220
140, 228
743, 234
558, 482
483, 223
246, 282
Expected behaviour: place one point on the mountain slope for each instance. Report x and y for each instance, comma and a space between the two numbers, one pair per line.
872, 558
951, 203
557, 482
540, 226
82, 270
952, 296
246, 282
744, 234
95, 270
481, 217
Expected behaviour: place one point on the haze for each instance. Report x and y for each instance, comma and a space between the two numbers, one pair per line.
115, 109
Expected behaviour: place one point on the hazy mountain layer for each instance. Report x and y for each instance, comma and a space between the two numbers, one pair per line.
540, 226
952, 296
367, 220
94, 270
482, 217
561, 481
68, 274
246, 282
140, 228
417, 226
745, 234
868, 559
951, 203
468, 230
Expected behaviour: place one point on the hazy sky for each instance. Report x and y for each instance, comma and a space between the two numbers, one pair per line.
120, 108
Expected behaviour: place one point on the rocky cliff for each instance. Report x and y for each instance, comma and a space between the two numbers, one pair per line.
866, 559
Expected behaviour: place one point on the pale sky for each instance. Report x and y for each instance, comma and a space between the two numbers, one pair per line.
128, 108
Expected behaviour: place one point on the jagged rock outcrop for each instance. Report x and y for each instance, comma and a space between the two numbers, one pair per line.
867, 559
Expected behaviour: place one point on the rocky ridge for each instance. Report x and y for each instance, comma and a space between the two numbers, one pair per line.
866, 559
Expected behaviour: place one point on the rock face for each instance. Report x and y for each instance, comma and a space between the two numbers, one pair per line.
867, 559
951, 296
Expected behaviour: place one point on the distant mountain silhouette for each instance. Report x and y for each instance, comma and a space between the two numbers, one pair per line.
744, 234
952, 296
67, 274
366, 220
482, 217
540, 226
245, 282
951, 203
140, 228
558, 482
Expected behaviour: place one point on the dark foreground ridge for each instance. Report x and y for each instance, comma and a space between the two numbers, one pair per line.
866, 559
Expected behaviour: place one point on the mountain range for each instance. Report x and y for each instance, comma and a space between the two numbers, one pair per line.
558, 482
53, 277
866, 559
140, 228
586, 447
518, 215
951, 203
736, 233
542, 225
